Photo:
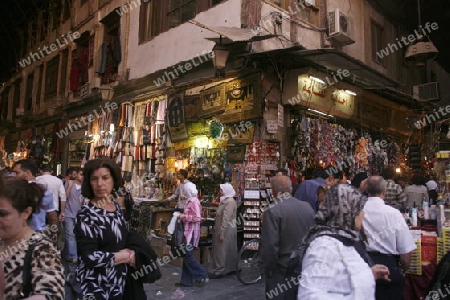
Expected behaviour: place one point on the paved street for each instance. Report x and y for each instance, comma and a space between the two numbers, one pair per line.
225, 288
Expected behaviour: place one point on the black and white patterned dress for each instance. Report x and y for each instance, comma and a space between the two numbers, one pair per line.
99, 234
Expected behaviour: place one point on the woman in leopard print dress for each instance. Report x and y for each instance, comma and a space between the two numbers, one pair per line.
101, 234
17, 203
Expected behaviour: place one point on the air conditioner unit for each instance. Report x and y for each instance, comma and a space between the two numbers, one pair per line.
339, 27
309, 2
19, 111
427, 92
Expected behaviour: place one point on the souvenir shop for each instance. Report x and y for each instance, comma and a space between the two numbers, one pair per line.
218, 132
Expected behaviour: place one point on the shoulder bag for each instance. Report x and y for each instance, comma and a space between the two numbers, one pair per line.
26, 275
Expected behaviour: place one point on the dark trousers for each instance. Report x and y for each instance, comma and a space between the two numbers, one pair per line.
389, 290
192, 270
280, 287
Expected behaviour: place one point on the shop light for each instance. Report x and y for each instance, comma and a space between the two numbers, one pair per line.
220, 58
317, 79
319, 112
350, 92
201, 142
398, 170
96, 137
111, 127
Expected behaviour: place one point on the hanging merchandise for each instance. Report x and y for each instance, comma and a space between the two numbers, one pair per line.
318, 143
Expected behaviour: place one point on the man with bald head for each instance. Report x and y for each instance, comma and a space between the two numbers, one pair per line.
284, 225
390, 242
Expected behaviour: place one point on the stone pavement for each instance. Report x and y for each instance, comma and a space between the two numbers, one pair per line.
225, 288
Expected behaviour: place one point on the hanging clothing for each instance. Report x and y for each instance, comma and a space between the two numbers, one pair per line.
102, 62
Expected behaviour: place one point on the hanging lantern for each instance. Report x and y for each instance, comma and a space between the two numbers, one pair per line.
215, 129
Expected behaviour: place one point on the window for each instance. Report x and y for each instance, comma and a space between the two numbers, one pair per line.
39, 85
305, 10
56, 15
4, 105
157, 16
110, 54
81, 62
181, 11
66, 10
378, 44
64, 62
16, 97
29, 93
51, 78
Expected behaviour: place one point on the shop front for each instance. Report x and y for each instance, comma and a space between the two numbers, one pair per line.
335, 123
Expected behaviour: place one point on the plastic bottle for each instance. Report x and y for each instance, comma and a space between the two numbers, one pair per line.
426, 214
414, 215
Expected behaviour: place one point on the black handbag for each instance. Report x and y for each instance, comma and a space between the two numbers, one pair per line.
178, 241
26, 275
129, 203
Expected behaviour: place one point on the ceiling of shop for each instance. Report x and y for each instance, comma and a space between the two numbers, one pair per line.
16, 14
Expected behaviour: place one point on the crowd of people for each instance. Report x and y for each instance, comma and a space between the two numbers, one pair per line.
349, 232
354, 241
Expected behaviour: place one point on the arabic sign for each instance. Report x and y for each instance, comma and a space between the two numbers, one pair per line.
327, 98
272, 126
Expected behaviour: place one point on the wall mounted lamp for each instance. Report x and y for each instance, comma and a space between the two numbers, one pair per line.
220, 58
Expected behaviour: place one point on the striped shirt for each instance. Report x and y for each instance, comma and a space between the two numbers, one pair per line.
394, 196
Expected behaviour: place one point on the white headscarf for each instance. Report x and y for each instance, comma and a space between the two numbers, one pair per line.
190, 190
228, 191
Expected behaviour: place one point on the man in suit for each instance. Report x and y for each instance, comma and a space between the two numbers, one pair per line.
284, 224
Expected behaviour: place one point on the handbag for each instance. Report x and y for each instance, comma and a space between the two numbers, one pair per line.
129, 203
26, 275
178, 241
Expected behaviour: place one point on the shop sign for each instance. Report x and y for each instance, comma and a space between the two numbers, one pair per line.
373, 114
280, 115
175, 119
272, 126
313, 94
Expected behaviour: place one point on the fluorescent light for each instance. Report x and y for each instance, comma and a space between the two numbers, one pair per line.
317, 79
350, 92
319, 112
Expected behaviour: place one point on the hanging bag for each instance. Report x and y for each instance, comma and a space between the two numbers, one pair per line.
178, 241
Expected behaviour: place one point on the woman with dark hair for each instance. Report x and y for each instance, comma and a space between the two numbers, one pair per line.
18, 201
416, 193
101, 233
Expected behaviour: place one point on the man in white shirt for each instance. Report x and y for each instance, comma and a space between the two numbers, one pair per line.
53, 184
390, 241
179, 191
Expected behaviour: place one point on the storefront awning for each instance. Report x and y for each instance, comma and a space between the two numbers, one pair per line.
361, 74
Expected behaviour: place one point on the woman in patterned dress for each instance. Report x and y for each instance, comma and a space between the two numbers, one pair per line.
101, 233
18, 200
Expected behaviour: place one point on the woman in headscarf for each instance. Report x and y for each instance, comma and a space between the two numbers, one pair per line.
335, 264
192, 272
224, 257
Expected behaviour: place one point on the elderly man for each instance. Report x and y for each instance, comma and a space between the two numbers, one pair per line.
390, 242
284, 224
